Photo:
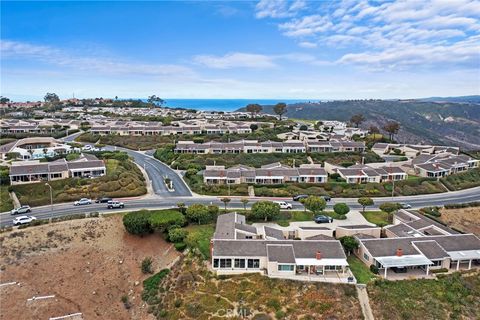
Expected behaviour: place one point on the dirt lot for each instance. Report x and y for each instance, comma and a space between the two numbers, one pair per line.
87, 264
464, 219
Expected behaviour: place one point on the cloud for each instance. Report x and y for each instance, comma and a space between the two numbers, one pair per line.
278, 8
236, 60
100, 65
389, 31
307, 44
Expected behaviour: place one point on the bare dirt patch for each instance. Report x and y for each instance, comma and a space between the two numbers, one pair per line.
87, 264
463, 219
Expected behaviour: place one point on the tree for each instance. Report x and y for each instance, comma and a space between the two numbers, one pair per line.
225, 201
357, 119
390, 207
349, 244
4, 100
213, 210
365, 201
374, 130
303, 127
392, 128
51, 98
254, 109
137, 223
315, 204
198, 212
177, 234
280, 109
341, 208
244, 201
153, 100
254, 126
265, 210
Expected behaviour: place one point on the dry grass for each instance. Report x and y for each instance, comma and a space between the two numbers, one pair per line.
463, 219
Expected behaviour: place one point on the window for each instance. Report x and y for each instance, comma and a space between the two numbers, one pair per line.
436, 263
366, 257
222, 263
285, 267
253, 263
333, 268
239, 263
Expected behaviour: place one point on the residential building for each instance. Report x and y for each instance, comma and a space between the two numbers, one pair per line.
36, 171
36, 148
411, 150
419, 244
238, 248
364, 173
444, 164
274, 173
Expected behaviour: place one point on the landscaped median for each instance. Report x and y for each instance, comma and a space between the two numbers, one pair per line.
123, 179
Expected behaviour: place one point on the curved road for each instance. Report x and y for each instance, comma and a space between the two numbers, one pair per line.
163, 198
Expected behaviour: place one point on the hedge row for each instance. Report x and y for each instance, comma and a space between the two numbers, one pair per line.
462, 205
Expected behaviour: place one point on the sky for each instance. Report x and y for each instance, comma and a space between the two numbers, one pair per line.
243, 49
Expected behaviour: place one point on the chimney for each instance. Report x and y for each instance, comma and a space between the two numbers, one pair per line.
318, 255
399, 252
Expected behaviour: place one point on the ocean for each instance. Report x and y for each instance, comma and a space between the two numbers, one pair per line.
223, 104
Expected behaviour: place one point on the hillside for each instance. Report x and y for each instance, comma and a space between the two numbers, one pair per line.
422, 121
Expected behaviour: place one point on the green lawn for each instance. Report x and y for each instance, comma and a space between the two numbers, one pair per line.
360, 270
379, 218
199, 237
5, 201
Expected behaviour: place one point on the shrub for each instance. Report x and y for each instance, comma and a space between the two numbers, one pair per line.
315, 204
341, 208
374, 269
163, 219
432, 211
199, 213
137, 223
180, 246
462, 205
441, 270
147, 265
177, 235
151, 285
126, 302
213, 210
389, 207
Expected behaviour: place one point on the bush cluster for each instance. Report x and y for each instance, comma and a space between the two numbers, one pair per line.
462, 205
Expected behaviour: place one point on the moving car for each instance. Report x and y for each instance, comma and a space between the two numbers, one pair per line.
115, 205
405, 206
326, 197
284, 204
323, 219
82, 202
299, 197
22, 209
23, 220
103, 200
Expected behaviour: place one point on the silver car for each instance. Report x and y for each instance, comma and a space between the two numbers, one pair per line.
23, 220
82, 202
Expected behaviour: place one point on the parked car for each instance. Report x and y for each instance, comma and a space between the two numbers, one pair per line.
87, 147
299, 197
405, 206
23, 220
323, 219
103, 200
284, 204
82, 202
399, 269
115, 205
326, 197
22, 209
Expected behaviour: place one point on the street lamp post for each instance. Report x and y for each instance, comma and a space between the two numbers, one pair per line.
51, 200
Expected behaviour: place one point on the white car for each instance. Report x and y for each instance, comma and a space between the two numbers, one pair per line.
82, 202
20, 210
115, 205
87, 147
284, 204
23, 220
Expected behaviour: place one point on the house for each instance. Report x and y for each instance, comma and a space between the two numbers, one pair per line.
274, 173
419, 244
412, 150
36, 171
364, 173
238, 248
35, 148
444, 164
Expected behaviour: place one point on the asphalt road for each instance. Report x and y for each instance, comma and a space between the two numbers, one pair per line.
158, 202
